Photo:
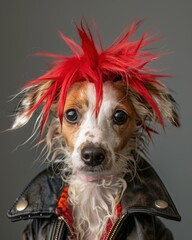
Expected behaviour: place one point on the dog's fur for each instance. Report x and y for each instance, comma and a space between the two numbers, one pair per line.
94, 191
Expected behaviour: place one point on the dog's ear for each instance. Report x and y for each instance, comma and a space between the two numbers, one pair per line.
26, 106
163, 99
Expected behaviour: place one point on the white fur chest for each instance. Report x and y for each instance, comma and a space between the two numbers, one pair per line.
93, 205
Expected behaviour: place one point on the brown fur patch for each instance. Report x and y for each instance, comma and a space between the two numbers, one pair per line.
126, 130
76, 99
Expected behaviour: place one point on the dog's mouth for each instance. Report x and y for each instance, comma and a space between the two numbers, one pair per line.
95, 174
92, 169
90, 174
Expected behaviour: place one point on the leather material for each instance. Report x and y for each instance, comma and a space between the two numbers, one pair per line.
138, 205
144, 190
41, 195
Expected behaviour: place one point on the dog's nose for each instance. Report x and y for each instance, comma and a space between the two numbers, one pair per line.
92, 155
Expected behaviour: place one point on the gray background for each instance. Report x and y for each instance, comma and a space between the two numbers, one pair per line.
31, 26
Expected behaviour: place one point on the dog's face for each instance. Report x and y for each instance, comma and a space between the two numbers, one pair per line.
96, 143
102, 145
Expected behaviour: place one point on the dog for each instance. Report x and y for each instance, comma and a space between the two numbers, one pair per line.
98, 109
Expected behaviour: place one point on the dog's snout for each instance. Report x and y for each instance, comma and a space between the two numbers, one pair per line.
92, 155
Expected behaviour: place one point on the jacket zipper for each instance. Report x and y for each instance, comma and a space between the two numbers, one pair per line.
110, 236
59, 227
115, 228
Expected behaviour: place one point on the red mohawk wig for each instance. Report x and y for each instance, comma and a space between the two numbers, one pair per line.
125, 58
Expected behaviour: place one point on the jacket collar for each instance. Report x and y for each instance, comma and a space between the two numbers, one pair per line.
145, 193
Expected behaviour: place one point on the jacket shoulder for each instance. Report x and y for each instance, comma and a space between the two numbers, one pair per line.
39, 198
147, 194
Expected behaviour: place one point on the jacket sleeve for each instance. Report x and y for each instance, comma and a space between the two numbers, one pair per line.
45, 229
143, 227
37, 229
161, 232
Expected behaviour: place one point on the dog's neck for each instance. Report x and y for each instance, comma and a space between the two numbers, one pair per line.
94, 204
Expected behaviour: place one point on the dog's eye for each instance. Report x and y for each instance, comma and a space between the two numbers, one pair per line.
72, 116
120, 117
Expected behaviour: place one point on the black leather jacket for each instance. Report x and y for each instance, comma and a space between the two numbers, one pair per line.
144, 200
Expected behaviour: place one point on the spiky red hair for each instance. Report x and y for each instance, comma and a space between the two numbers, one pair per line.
125, 58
